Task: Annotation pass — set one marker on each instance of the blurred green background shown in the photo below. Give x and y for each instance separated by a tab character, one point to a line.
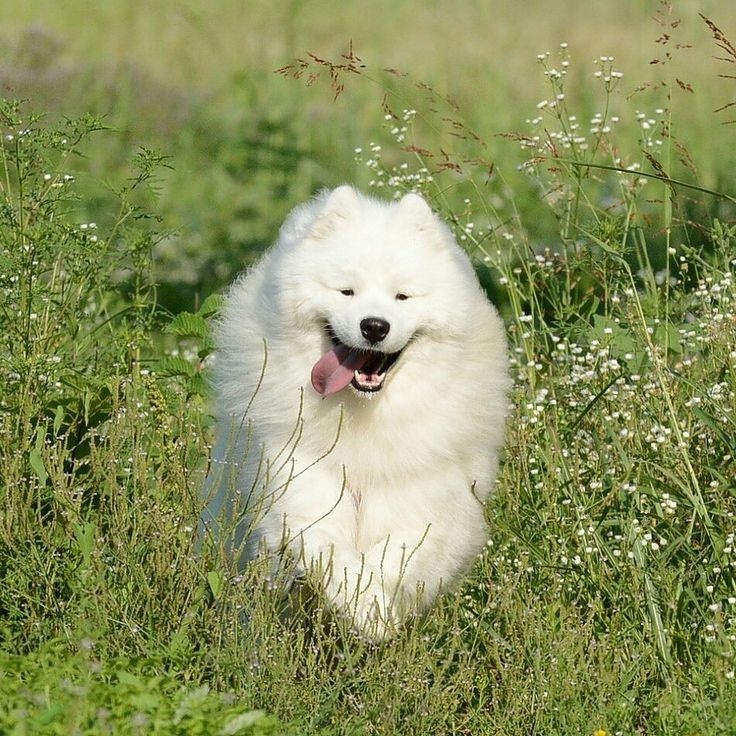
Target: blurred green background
196	80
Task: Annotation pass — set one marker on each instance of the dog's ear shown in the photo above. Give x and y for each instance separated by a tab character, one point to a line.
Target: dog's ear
342	200
339	204
416	212
416	207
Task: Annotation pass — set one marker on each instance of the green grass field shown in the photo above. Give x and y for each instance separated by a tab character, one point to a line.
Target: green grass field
596	196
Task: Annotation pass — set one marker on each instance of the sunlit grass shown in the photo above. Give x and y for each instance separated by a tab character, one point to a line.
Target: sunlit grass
198	81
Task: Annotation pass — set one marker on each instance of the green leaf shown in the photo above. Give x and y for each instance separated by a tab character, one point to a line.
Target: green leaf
58	419
146	701
668	335
198	385
211	305
175	365
130	679
726	438
85	536
187	324
37	465
214	580
610	333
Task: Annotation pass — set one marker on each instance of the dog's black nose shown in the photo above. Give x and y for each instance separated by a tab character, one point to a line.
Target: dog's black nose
374	329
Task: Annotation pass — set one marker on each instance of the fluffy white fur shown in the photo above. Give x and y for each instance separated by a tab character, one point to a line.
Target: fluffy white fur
379	495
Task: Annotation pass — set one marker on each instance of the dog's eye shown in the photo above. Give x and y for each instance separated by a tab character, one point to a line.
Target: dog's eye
347	292
401	297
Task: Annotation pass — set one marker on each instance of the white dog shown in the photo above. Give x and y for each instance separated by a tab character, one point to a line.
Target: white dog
361	388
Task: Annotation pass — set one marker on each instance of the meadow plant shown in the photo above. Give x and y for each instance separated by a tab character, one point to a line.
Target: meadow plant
629	474
617	497
99	446
77	394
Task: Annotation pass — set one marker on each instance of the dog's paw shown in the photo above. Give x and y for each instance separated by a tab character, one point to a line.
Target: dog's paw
373	619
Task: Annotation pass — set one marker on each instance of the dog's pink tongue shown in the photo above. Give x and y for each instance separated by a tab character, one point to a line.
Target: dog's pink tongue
335	369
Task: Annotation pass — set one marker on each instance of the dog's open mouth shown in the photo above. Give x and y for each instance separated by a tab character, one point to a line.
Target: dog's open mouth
364	370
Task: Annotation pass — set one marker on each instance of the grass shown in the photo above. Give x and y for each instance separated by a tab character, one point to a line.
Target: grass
90	695
605	601
246	145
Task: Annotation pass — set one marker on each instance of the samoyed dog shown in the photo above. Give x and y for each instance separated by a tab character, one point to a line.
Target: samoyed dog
361	381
